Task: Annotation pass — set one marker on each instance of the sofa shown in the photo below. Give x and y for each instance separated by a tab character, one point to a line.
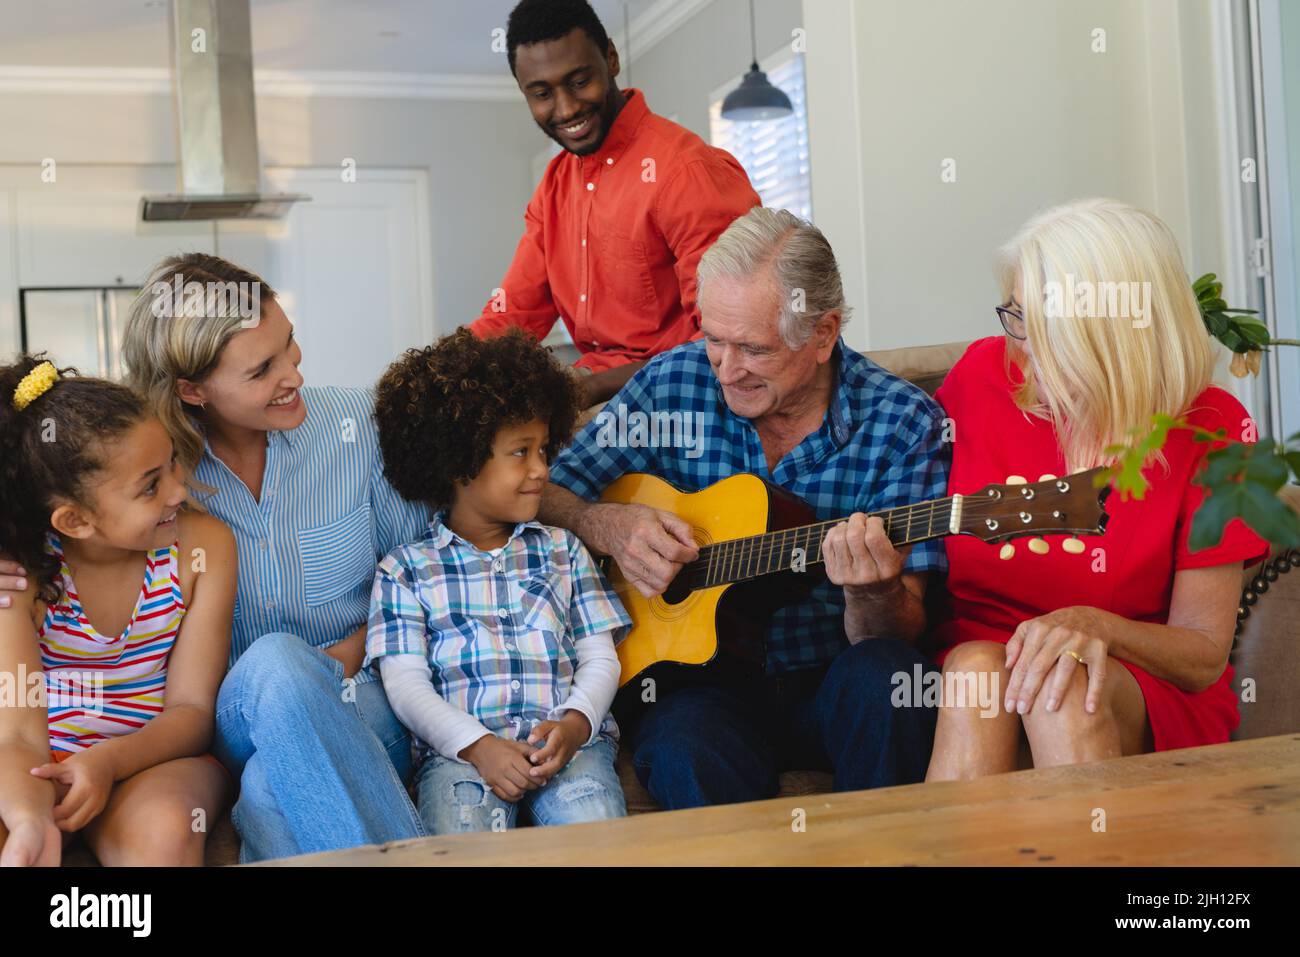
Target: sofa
1266	651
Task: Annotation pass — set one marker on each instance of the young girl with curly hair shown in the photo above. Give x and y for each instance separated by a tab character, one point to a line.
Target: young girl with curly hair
123	637
493	634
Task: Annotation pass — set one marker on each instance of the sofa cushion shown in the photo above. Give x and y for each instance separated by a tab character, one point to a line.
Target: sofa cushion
923	366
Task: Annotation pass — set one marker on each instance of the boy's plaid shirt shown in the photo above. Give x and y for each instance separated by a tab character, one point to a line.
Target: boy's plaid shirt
880	445
500	630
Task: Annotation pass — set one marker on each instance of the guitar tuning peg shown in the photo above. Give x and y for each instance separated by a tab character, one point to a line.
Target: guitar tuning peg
1006	551
1074	545
1016	480
1039	546
1046	477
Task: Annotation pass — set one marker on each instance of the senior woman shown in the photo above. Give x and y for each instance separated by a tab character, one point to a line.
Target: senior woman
1114	644
296	473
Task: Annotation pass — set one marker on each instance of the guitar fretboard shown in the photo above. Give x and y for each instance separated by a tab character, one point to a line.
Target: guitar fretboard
740	559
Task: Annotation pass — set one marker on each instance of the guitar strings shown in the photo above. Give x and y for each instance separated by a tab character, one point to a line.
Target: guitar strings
750	556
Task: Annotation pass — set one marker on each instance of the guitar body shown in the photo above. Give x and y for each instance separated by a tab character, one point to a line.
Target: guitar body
691	628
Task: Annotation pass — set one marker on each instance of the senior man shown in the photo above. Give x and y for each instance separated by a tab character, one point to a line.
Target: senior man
780	396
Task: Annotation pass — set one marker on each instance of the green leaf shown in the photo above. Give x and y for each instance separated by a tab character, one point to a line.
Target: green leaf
1130	459
1232	341
1265	513
1242	481
1217	323
1203	283
1293	460
1238	461
1255	332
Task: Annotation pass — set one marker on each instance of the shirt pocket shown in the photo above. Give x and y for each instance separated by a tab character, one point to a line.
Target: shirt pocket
625	275
544	599
337	557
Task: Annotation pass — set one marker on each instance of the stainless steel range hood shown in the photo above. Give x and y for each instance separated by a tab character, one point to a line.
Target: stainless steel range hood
216	120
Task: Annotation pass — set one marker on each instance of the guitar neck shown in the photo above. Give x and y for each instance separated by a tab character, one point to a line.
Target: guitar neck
740	559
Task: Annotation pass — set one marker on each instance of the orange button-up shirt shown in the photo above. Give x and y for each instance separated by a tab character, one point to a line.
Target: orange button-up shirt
612	240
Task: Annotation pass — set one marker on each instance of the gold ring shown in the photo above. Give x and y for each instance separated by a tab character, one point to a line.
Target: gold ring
1075	655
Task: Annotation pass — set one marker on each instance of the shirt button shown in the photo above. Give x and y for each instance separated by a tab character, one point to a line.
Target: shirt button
270	604
263	545
609	162
584	242
590	187
515	685
499	565
582	298
502	613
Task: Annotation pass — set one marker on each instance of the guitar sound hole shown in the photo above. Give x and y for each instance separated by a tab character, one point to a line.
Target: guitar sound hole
677	592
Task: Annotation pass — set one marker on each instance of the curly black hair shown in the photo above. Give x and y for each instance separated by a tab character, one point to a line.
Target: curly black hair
49	453
439	408
536	21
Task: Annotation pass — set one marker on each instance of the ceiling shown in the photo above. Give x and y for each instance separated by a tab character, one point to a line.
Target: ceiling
403	36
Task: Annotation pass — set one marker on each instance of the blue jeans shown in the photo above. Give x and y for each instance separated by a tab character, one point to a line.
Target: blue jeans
727	742
453	797
319	769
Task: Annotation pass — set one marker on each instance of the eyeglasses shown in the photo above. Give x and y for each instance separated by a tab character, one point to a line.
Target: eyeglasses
1012	321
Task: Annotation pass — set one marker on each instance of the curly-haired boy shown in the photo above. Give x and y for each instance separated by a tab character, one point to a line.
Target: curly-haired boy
493	634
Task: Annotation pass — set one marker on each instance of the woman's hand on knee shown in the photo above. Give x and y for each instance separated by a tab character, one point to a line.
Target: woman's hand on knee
1044	652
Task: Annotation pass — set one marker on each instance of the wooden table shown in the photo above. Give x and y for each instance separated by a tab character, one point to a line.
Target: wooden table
1227	804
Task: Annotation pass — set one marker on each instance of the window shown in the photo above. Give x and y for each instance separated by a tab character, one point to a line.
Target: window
774	153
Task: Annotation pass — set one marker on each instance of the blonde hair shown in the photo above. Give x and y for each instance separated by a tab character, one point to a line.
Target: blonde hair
167	339
1106	372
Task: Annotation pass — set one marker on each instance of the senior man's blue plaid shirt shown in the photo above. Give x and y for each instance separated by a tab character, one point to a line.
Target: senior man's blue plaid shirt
879	446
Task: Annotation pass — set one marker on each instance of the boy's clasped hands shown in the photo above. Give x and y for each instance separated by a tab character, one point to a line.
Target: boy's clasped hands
510	768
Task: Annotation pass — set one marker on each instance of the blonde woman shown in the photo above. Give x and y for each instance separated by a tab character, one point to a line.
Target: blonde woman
296	474
1121	646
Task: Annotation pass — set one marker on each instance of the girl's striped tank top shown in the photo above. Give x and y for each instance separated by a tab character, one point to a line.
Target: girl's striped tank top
98	687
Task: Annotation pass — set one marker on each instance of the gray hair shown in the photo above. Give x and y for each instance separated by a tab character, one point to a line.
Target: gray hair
801	261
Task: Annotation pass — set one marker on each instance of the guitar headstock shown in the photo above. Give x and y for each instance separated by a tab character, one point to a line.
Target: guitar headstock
1072	504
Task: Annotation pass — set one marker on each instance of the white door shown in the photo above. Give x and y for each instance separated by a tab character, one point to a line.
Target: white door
353	267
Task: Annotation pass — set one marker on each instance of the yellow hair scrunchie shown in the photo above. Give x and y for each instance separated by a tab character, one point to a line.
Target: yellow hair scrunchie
35	384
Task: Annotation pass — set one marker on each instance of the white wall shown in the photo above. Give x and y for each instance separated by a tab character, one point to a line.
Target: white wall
678	73
476	154
1010	89
1013	92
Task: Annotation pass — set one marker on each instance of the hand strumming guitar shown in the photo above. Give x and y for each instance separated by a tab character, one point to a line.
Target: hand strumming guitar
649	544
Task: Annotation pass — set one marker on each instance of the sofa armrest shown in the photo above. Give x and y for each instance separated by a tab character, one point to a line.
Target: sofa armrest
1266	653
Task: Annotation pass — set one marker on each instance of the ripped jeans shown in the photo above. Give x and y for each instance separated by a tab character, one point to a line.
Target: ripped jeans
453	799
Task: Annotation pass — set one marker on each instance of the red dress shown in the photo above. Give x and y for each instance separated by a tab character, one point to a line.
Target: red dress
1133	573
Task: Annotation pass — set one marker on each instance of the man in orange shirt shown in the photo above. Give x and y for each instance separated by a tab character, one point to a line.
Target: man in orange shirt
619	221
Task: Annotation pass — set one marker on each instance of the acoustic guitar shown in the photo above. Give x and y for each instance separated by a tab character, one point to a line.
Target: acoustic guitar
760	549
